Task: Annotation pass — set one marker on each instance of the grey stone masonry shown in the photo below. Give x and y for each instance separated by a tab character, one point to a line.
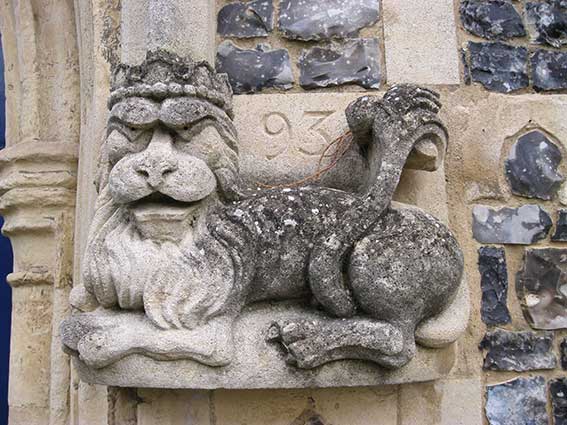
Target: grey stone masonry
549	70
246	19
494	284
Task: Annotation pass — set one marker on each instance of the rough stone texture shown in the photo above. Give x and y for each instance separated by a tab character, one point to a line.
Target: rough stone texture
493	20
251	70
262	364
560	234
547	23
355	61
499	67
531	166
524	225
187	255
494	283
563	352
541	288
302	20
246	19
558	393
436	61
518	351
549	70
521	401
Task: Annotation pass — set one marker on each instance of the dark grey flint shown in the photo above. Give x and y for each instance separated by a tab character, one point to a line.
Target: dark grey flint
531	166
355	61
251	70
523	226
518	351
522	401
547	23
499	67
549	70
494	285
246	19
323	20
493	20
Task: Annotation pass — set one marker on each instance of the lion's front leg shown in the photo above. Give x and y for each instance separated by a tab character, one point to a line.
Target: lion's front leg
104	337
312	343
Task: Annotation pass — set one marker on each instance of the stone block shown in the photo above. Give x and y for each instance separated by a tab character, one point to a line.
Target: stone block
560	234
558	393
420	42
547	22
246	19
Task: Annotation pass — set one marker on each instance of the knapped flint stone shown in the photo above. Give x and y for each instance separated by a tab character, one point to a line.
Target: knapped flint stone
518	351
252	70
323	20
549	70
493	20
246	19
519	226
560	234
558	392
541	285
499	67
518	402
547	23
531	167
494	284
355	61
563	352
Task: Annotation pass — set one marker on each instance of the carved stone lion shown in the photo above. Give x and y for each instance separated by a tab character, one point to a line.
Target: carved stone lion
175	235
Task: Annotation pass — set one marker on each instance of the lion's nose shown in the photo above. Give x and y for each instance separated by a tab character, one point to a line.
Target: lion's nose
156	171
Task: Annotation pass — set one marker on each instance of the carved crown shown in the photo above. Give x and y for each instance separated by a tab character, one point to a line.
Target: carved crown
164	74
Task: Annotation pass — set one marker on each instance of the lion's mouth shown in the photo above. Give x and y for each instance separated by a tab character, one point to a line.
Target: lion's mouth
158	210
162	200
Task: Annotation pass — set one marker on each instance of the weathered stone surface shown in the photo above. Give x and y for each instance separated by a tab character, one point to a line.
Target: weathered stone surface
518	351
547	22
246	19
549	70
499	67
563	352
251	70
433	29
558	393
494	284
524	225
560	234
259	363
178	249
305	20
542	289
356	61
497	19
531	167
519	402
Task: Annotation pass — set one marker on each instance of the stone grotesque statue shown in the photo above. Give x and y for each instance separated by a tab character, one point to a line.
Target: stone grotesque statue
178	250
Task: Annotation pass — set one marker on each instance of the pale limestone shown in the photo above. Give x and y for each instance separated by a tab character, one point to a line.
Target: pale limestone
352	406
420	40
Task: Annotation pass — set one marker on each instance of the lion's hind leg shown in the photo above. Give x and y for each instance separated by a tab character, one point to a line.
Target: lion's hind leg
312	343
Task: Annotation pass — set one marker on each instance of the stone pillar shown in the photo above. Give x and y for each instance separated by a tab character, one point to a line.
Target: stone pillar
37	198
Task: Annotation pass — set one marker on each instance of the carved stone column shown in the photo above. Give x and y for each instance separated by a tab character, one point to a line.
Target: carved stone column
37	198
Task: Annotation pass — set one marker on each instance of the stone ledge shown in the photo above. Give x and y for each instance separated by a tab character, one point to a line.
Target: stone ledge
259	364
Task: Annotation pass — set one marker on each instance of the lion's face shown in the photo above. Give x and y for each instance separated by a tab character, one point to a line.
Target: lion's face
162	155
